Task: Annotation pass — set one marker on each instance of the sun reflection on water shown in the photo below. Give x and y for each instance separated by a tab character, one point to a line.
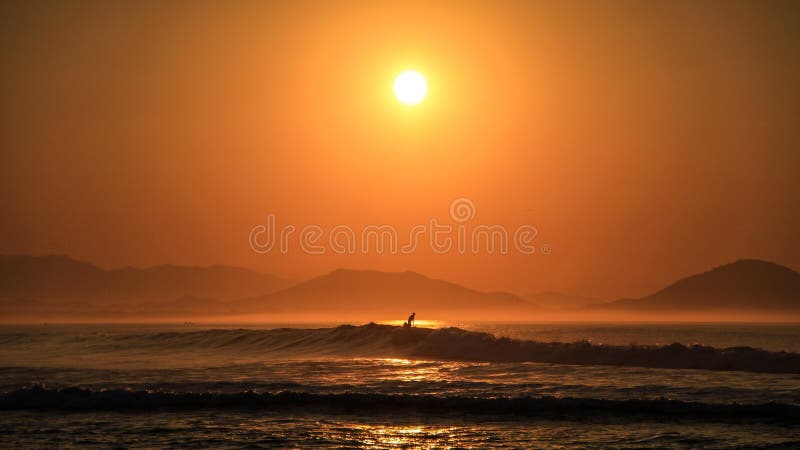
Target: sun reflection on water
400	369
390	436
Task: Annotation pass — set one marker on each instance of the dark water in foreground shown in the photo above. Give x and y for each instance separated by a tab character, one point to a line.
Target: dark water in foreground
377	386
265	429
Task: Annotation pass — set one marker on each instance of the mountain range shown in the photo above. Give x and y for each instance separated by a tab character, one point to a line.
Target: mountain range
58	285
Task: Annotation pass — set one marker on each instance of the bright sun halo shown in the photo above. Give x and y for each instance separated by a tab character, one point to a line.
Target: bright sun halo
410	87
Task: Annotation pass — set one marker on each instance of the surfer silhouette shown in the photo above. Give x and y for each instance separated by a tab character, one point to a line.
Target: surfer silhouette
411	319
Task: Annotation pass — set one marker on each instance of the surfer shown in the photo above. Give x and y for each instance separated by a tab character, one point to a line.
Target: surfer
411	319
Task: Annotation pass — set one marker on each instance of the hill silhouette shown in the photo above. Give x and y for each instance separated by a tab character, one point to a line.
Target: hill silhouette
748	284
357	293
58	283
37	286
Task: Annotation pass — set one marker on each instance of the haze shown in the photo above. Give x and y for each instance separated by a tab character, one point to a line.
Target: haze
645	142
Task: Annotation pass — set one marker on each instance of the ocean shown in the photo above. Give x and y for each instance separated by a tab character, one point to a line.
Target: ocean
455	385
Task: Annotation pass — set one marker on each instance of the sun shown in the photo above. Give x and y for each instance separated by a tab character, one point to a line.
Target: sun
410	87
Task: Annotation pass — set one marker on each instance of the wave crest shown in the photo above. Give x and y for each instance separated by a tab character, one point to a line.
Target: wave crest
385	341
77	399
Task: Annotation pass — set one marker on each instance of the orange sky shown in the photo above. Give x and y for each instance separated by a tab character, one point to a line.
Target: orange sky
643	141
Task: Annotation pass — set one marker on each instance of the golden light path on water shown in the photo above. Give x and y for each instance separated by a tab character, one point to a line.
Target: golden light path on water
409	370
382	436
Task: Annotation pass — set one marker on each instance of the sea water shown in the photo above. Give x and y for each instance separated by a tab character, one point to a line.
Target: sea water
314	385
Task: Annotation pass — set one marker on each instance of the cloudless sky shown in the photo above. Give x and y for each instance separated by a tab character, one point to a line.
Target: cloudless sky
644	140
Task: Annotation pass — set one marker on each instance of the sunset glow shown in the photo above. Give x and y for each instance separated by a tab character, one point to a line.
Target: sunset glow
479	224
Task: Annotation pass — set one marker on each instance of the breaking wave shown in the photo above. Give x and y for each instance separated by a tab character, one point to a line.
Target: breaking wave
80	399
385	341
457	344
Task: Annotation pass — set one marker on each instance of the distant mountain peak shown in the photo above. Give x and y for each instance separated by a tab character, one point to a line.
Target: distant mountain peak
746	284
749	264
375	292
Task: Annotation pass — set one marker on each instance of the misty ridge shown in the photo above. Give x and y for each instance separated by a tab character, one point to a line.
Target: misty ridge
58	286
